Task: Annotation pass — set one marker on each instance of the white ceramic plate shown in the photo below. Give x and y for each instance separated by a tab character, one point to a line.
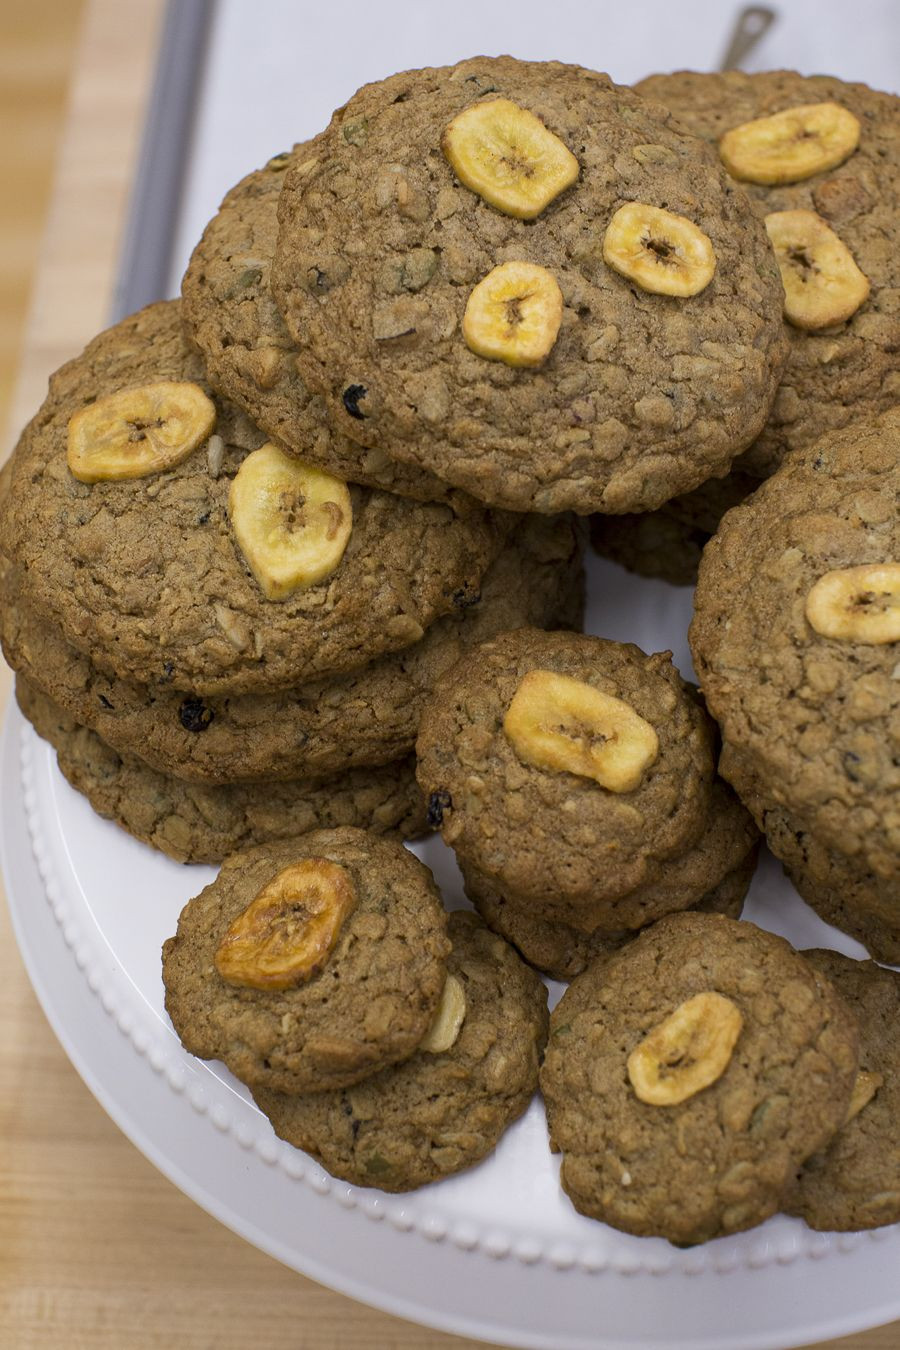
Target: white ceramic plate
497	1252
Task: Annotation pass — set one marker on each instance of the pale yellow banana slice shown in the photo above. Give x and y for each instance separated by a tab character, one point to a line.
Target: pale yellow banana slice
567	726
291	521
507	155
822	283
139	431
857	604
513	314
448	1020
662	252
687	1052
791	145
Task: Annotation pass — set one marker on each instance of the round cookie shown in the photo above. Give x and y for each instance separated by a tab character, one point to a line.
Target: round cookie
714	876
548	834
368	1004
436	1114
190	822
668	543
369	716
643	396
718	1159
145	574
848	370
814	714
250	356
855	1182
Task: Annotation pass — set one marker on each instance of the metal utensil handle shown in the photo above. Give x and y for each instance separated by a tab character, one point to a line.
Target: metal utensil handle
750	26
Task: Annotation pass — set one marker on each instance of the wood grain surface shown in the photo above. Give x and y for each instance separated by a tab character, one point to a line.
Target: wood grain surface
98	1251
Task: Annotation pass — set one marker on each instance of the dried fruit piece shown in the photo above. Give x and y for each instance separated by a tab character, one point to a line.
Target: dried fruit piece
864	1089
513	314
822	283
687	1052
292	521
662	252
857	604
139	431
507	155
286	934
448	1019
790	145
558	723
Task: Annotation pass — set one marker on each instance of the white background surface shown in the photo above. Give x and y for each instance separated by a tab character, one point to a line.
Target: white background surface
277	69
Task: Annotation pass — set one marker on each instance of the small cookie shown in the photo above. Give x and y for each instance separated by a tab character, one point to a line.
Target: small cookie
689	1075
365	717
714	876
191	822
360	1005
579	388
520	801
668	543
442	1110
848	369
150	576
796	634
249	354
855	1182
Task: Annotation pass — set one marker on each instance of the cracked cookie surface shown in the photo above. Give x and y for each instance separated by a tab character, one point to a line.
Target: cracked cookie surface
643	396
369	1006
850	369
436	1114
719	1161
146	577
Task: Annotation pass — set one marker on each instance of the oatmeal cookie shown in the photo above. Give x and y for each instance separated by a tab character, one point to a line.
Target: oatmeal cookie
638	396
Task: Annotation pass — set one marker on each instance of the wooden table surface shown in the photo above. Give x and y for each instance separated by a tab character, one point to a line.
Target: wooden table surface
98	1251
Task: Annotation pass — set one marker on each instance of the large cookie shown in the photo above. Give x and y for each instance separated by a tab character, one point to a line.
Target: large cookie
813	709
855	1182
762	1081
439	1112
250	356
643	396
145	575
548	834
849	369
369	716
368	1002
193	822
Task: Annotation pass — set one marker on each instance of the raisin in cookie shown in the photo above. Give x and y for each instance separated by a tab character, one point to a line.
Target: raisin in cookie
445	1108
310	963
479	324
689	1075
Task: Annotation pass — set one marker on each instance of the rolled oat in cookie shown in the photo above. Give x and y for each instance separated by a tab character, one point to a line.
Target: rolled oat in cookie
250	980
447	1106
690	1074
468	298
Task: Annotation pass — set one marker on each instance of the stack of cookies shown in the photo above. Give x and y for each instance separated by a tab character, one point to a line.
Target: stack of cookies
393	1043
575	779
224	643
820	160
795	633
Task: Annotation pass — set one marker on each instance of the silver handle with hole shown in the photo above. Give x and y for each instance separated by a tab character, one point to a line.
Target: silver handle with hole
750	26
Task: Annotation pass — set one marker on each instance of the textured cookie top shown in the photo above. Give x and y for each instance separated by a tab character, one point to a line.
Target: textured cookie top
855	1182
146	576
642	396
195	823
367	716
437	1113
544	832
817	715
849	369
370	1004
718	1160
249	353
